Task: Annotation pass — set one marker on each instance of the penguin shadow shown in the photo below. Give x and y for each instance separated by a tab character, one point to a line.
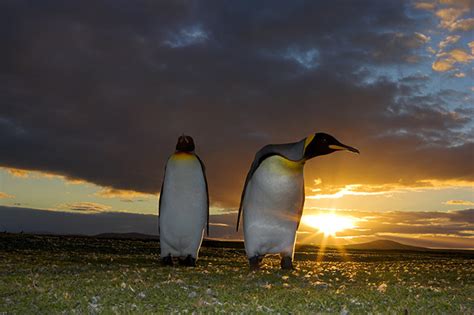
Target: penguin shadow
272	262
169	261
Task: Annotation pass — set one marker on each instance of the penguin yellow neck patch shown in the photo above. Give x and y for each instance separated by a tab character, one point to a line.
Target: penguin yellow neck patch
182	156
279	164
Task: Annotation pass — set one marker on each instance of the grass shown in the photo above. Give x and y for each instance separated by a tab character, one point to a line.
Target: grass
50	275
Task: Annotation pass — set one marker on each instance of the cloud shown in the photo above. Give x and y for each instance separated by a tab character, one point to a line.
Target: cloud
465	4
348	190
459	203
120	86
125	195
414	224
447	60
5	195
23	173
471	45
449	40
462	25
449	17
186	36
429	6
320	190
84	207
460	75
17	172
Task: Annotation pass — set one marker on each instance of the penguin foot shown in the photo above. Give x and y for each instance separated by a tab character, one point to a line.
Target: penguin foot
167	260
189	261
254	262
286	263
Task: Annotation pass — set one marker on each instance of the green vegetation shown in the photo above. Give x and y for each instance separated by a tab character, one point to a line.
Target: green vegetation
48	275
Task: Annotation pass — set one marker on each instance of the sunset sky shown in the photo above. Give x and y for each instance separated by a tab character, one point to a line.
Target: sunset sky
94	95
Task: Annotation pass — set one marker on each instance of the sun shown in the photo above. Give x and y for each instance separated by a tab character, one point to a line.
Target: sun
330	223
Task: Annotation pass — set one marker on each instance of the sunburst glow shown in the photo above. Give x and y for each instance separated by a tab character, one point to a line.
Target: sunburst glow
330	223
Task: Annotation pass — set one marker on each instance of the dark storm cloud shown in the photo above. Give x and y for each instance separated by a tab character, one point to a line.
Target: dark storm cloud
101	90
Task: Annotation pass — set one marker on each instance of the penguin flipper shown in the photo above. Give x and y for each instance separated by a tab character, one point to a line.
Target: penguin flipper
254	166
259	158
207	192
159	199
300	210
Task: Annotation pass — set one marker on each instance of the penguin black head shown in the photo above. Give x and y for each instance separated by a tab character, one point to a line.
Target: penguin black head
185	144
322	144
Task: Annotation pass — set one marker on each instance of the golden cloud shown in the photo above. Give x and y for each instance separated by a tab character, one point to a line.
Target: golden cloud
459	203
429	6
21	173
442	65
422	38
84	207
5	195
461	55
449	40
447	60
462	25
465	4
346	191
471	45
460	75
424	226
109	192
17	172
431	50
335	191
448	16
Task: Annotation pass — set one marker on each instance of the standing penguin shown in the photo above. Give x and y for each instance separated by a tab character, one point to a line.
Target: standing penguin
273	196
183	205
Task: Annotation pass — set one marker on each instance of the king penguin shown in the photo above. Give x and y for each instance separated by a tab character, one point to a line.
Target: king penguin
183	205
273	196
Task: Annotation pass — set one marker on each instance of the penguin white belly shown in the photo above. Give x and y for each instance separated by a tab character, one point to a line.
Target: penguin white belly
272	202
183	209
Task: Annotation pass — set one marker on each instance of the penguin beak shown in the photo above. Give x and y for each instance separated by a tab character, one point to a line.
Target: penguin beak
340	147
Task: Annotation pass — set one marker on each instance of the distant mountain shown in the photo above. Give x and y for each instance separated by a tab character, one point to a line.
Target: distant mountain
210	242
384	245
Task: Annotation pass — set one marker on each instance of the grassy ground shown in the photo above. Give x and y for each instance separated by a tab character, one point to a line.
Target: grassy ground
41	274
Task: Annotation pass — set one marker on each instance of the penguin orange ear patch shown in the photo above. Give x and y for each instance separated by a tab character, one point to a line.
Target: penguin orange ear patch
336	147
308	140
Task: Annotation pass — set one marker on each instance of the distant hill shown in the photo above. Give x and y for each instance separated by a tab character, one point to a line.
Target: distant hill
210	242
128	236
384	245
207	242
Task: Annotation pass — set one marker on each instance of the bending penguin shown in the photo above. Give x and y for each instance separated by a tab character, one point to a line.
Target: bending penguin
183	205
273	196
